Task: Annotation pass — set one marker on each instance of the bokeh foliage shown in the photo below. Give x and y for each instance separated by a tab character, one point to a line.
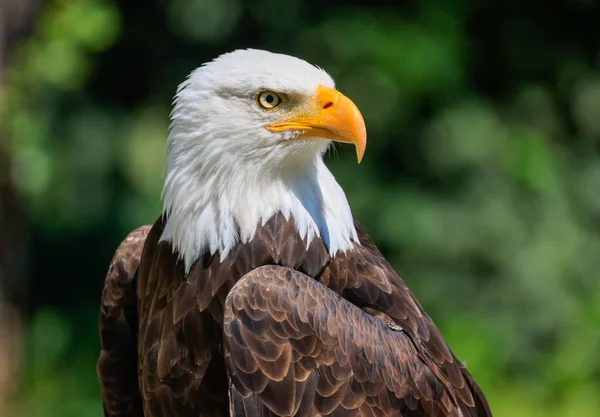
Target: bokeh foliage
480	183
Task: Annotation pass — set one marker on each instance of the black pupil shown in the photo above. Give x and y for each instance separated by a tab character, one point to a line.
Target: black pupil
270	99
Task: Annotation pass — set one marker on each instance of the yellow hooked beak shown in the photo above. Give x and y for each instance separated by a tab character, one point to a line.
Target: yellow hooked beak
332	116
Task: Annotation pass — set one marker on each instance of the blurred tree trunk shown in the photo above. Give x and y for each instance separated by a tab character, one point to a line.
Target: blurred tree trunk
11	253
16	18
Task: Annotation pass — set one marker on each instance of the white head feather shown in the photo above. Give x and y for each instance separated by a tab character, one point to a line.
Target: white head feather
226	173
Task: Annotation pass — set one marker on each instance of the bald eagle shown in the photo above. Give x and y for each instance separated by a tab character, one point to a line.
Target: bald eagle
256	292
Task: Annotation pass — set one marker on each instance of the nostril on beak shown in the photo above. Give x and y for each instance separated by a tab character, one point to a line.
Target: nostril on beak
328	105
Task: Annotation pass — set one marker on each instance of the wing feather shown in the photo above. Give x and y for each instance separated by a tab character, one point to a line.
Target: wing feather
117	364
362	383
363	276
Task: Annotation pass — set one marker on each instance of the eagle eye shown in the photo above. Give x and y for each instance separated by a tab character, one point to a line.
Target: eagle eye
268	100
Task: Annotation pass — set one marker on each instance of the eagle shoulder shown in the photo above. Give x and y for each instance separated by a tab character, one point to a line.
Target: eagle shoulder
295	347
117	364
364	277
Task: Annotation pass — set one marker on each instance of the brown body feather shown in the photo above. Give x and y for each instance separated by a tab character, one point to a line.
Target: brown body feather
117	366
286	329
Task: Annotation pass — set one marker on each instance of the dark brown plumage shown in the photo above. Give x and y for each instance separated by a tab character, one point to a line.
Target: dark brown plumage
117	365
296	332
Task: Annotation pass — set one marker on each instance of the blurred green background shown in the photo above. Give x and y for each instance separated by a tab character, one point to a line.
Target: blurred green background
481	181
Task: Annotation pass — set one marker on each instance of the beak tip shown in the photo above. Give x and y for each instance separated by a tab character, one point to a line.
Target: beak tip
360	152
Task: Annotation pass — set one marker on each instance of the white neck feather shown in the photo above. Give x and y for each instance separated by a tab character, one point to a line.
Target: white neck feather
211	208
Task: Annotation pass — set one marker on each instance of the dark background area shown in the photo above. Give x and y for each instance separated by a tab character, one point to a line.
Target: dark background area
481	180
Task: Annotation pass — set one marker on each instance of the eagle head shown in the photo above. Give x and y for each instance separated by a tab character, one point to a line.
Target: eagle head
246	141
